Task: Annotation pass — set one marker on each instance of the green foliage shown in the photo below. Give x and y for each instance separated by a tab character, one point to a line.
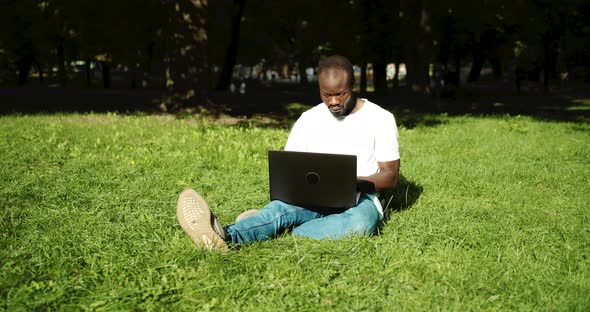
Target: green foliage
177	43
491	215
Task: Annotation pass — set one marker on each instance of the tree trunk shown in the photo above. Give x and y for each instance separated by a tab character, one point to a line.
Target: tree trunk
232	50
457	77
364	44
24	62
106	74
549	62
363	82
133	76
41	75
478	61
496	64
396	75
380	78
61	63
88	72
480	53
548	69
150	57
24	67
39	70
300	51
417	65
418	46
302	74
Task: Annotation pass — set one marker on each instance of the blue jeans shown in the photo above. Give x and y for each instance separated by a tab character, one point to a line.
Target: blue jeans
278	216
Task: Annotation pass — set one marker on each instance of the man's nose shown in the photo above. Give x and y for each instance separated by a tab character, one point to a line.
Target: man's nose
333	100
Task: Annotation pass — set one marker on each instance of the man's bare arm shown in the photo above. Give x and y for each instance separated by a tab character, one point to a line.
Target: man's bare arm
385	179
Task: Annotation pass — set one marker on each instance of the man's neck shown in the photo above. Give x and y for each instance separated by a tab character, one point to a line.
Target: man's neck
359	104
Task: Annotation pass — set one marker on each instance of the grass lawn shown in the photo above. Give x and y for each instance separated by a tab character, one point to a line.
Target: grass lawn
492	214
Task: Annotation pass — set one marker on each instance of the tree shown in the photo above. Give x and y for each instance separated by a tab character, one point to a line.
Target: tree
231	53
416	28
23	31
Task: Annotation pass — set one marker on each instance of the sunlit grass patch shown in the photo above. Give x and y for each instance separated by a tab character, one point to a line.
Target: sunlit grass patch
491	214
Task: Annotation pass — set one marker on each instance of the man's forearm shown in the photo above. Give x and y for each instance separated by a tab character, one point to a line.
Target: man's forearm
384	180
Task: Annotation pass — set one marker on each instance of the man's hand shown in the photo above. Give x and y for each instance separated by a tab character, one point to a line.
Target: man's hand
365	186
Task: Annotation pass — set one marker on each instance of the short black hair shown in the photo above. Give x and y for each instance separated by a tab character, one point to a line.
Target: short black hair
337	62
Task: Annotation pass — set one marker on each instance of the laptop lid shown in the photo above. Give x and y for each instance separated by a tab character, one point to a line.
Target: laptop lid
312	180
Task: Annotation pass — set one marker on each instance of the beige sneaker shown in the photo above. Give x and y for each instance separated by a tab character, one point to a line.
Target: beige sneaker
197	220
246	214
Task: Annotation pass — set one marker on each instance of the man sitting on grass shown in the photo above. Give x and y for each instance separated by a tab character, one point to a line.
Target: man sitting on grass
342	124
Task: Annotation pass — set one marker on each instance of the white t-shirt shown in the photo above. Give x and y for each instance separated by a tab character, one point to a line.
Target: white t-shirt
370	133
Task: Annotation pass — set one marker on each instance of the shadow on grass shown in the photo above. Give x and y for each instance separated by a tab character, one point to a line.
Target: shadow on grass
402	198
412	111
274	107
39	100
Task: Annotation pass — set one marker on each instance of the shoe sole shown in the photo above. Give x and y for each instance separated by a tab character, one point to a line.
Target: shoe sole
195	218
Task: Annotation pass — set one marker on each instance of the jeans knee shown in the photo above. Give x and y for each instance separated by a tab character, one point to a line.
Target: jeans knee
276	209
365	223
277	205
363	227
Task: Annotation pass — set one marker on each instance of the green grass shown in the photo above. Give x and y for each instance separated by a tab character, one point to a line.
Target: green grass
492	215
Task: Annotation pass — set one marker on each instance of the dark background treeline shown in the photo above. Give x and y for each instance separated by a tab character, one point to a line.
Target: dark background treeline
190	48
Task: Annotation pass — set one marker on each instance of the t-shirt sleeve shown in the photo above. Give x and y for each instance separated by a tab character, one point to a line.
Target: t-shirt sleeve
386	142
296	141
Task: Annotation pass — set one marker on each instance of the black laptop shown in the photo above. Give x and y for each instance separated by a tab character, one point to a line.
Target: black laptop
312	180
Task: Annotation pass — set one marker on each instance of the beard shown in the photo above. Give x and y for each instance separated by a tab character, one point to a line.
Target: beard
344	109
